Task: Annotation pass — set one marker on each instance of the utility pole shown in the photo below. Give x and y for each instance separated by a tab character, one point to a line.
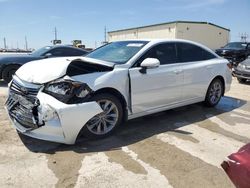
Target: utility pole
243	37
56	41
26	43
55	33
105	34
4	43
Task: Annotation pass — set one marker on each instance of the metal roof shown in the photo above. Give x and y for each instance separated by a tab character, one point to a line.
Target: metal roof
174	22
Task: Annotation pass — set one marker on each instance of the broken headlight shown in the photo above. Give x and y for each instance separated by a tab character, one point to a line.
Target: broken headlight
68	91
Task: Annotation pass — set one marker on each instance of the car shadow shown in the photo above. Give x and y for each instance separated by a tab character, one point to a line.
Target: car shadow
3	84
246	83
139	129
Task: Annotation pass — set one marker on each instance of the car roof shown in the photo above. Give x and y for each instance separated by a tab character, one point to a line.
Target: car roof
162	40
65	46
154	40
157	41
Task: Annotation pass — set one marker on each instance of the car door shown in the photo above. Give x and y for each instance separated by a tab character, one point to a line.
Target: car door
159	86
197	67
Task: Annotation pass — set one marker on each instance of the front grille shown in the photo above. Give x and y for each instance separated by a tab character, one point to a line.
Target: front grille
19	89
21	103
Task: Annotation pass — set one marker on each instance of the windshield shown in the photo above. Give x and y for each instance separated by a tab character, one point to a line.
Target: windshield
236	45
118	52
41	51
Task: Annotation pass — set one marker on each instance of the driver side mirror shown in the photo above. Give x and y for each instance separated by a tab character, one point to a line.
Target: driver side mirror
47	55
149	63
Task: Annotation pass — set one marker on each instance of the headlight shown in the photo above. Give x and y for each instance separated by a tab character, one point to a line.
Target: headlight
241	66
68	91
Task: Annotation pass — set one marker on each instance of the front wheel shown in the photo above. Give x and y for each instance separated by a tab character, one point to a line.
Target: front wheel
214	93
106	122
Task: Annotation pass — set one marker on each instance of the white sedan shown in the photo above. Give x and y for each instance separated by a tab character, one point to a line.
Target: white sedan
59	99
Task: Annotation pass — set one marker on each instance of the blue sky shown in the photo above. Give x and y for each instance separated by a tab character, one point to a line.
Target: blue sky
85	20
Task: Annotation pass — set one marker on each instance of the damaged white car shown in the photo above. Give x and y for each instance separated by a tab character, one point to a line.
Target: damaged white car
57	99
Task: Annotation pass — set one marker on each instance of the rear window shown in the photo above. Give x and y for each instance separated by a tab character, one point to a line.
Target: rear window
189	52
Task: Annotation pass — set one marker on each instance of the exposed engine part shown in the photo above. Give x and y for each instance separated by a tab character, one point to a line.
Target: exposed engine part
79	67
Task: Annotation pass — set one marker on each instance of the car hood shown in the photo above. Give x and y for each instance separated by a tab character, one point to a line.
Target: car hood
246	62
17	58
229	49
46	70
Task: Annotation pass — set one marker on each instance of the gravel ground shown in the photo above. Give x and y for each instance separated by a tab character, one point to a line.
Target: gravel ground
177	148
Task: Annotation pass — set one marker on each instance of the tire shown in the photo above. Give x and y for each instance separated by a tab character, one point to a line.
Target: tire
241	80
95	127
214	93
8	72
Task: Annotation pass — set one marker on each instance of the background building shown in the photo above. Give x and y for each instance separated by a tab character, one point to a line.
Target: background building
211	35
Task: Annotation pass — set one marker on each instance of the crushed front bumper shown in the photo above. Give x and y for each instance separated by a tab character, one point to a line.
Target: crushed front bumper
48	118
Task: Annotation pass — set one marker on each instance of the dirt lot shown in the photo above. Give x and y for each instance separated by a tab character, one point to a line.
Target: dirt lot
177	148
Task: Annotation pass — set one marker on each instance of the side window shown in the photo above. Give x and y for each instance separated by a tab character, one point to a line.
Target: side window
189	53
165	53
76	52
57	52
207	55
73	52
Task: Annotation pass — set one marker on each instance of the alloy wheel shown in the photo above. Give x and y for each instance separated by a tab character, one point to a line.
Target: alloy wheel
104	122
215	92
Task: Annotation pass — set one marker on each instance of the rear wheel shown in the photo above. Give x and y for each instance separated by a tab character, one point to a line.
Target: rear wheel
214	93
241	80
8	72
106	122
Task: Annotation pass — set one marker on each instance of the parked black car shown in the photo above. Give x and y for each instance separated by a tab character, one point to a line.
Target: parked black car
235	52
242	71
10	63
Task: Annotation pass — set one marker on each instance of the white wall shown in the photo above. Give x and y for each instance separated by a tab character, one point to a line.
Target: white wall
211	36
154	32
